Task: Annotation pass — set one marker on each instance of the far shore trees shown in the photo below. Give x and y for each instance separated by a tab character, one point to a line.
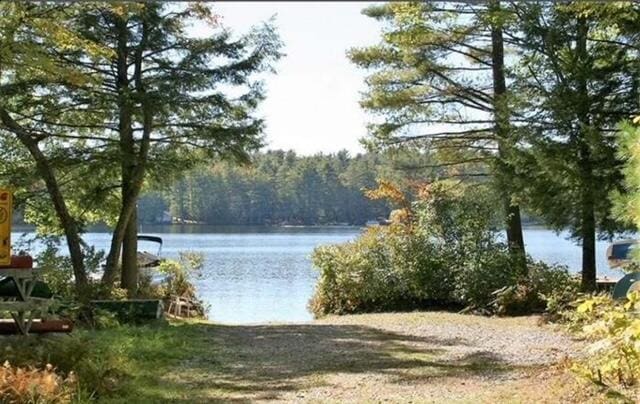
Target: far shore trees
279	187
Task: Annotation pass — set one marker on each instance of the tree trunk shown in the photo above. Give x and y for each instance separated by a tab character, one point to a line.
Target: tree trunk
129	274
588	235
117	239
587	203
68	223
129	266
501	115
133	162
125	131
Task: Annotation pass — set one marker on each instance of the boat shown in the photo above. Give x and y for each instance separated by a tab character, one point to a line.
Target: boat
620	253
147	259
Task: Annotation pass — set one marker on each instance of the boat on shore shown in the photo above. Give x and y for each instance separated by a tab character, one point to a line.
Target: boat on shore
148	258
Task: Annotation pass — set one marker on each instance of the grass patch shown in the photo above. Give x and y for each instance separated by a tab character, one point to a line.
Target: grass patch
117	364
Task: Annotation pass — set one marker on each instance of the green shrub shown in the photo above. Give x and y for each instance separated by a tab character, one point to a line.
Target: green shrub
479	276
613	330
100	367
180	275
544	288
449	255
57	272
353	276
462	221
386	268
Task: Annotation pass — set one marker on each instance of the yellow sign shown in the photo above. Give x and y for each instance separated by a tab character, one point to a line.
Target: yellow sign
6	203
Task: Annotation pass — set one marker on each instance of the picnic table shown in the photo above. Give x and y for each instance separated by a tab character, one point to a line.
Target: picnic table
21	304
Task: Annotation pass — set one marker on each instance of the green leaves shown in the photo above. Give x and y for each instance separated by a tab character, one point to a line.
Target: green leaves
613	332
628	202
61	78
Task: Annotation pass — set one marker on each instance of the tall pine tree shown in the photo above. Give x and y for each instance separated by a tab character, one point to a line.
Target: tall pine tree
579	79
439	80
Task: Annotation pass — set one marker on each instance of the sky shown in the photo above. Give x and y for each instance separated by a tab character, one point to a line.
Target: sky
312	101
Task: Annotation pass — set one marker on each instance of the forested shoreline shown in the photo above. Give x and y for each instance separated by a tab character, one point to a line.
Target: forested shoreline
276	188
280	187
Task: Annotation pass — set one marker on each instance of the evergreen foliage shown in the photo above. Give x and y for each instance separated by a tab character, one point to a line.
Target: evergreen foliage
277	188
577	79
127	93
439	81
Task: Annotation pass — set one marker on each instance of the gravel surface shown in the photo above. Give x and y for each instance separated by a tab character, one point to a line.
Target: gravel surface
511	341
394	357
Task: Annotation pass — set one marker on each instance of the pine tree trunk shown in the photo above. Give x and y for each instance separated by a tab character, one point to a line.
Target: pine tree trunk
513	223
134	161
125	112
588	235
117	239
587	203
129	266
515	238
129	274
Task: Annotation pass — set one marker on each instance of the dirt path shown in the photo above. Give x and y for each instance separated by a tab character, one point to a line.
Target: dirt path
410	357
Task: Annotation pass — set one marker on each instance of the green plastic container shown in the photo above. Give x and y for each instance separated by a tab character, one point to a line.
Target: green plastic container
628	283
40	289
132	310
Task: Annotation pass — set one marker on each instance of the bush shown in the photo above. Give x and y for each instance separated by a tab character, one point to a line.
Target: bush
57	272
32	385
449	254
544	288
384	269
100	367
178	281
613	330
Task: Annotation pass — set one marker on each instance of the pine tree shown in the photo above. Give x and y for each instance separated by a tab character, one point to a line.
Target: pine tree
579	79
152	103
440	82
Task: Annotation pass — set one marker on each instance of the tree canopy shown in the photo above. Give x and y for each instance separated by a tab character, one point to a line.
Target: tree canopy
131	93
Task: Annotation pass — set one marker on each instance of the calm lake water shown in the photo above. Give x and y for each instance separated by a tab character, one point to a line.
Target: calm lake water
258	274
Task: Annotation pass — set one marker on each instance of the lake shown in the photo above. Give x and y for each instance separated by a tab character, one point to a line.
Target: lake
262	274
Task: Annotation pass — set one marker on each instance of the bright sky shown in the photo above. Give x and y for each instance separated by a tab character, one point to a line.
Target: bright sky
312	103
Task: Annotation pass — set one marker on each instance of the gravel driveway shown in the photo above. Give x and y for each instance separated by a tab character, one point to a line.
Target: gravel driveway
519	341
394	357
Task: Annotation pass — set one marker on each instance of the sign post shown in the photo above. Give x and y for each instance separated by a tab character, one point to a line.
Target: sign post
6	203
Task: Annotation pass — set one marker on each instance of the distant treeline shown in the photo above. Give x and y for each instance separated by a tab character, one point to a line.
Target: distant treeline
279	187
